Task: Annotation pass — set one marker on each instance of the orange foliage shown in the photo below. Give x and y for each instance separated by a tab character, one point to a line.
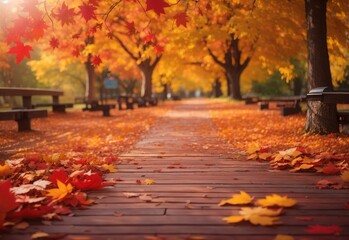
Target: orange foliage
240	125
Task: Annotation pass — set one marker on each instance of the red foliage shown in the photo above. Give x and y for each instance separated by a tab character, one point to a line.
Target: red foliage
87	11
21	51
181	19
157	6
65	15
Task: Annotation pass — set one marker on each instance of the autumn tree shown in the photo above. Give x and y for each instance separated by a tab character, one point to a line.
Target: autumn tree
321	117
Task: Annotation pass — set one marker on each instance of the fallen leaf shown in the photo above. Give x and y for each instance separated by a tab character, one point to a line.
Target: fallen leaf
149	181
5	170
61	191
276	200
131	195
237	199
21	225
330	169
145	198
39	235
283	237
345	176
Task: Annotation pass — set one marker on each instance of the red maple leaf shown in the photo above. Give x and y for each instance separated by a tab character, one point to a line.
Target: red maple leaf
93	2
320	229
158	49
30	212
181	19
38	29
76	52
21	51
88	181
19	30
130	27
150	38
330	169
157	6
96	60
30	6
54	43
59	174
65	15
87	11
8	201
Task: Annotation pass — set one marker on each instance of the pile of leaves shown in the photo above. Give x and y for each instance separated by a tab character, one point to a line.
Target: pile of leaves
267	136
46	186
50	171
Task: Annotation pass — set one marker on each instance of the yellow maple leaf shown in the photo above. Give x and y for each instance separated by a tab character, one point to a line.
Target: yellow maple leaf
247	211
149	181
263	220
303	166
110	168
234	219
238	199
283	237
264	156
276	200
61	191
5	170
253	148
345	176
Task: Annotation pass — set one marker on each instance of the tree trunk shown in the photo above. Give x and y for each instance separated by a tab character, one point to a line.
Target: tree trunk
90	77
234	79
147	72
297	86
217	88
321	117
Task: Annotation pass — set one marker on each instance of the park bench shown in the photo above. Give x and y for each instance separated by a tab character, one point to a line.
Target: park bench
125	102
28	93
24	113
146	101
288	105
22	117
56	107
250	100
324	94
94	106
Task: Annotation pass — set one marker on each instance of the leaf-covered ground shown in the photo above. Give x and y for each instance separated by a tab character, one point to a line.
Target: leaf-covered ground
268	136
46	172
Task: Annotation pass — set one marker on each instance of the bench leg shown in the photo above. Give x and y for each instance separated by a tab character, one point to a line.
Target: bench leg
263	106
106	112
129	105
59	109
23	124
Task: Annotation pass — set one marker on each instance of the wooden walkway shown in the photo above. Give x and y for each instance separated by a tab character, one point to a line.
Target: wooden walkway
192	174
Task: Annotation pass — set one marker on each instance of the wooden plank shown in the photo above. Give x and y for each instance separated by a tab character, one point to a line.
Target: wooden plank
8	91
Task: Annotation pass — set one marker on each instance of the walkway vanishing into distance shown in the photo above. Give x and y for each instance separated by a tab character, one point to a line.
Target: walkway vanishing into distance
193	172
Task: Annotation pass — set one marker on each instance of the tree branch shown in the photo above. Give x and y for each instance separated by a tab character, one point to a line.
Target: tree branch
123	46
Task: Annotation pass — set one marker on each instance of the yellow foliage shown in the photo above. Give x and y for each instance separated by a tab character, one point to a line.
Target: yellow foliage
61	191
237	199
276	200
